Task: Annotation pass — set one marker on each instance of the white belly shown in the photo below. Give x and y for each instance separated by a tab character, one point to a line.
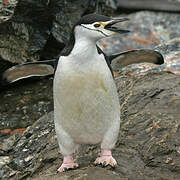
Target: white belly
86	101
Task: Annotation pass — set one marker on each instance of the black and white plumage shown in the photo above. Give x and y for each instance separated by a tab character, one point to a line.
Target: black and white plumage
48	67
86	103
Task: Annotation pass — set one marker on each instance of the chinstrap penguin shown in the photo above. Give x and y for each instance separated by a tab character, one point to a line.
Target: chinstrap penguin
86	103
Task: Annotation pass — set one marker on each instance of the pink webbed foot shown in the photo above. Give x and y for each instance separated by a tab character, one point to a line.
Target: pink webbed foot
105	159
68	163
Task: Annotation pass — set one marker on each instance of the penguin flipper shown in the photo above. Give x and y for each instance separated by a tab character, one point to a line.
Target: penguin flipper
32	69
136	56
106	58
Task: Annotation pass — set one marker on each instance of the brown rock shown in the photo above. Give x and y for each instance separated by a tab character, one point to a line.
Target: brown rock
148	145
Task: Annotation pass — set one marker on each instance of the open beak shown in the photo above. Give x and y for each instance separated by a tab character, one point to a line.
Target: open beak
110	26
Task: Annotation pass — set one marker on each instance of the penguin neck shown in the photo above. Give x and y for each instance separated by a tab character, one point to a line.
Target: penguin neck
81	45
84	47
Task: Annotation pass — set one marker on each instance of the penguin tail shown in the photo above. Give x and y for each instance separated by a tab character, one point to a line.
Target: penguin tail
27	70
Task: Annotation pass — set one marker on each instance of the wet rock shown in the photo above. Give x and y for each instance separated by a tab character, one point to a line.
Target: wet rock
148	143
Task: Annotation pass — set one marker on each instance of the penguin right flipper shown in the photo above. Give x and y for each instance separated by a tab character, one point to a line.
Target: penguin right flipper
136	56
32	69
108	60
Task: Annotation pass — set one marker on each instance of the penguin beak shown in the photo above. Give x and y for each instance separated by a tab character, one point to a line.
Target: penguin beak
116	29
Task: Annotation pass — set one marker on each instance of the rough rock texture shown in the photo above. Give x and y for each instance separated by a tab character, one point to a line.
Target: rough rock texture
148	145
38	29
171	54
148	29
163	5
23	104
6	9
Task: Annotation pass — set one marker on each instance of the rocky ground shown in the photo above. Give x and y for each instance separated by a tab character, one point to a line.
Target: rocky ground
7	9
148	146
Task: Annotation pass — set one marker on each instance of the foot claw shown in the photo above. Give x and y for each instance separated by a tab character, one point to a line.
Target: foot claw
65	167
105	161
103	164
68	163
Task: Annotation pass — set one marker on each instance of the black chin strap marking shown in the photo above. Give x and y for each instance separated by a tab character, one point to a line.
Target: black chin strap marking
94	30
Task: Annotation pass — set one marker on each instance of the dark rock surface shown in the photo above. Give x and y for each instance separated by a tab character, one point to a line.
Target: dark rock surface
6	9
148	145
162	5
39	29
22	103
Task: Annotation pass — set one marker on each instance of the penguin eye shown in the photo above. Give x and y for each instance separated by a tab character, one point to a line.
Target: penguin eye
97	25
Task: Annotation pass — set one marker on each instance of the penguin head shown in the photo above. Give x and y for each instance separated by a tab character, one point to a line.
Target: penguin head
95	27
